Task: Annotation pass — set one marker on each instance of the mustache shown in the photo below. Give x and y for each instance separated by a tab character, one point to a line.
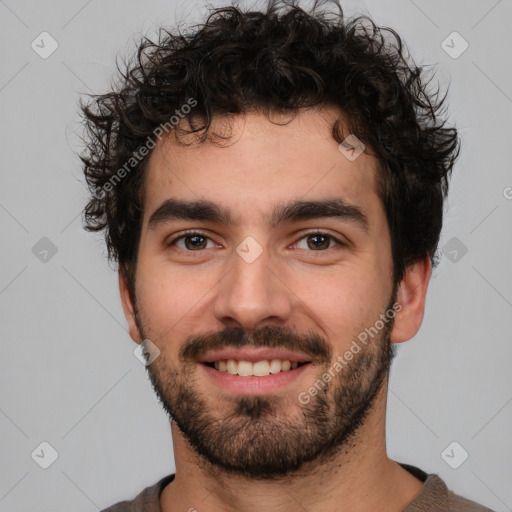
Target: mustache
311	343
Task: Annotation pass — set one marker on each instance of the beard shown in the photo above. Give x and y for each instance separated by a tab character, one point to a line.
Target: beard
255	438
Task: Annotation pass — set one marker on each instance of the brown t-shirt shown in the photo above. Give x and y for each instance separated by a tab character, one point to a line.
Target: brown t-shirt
434	497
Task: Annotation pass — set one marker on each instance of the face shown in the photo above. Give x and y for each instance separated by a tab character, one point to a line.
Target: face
275	244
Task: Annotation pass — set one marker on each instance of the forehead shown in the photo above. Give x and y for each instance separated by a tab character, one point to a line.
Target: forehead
263	163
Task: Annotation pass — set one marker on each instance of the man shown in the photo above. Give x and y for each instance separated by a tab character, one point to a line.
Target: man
271	185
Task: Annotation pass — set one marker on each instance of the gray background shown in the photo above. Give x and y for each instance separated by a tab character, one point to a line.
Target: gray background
68	373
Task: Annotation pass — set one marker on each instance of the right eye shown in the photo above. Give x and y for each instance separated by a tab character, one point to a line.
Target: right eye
193	241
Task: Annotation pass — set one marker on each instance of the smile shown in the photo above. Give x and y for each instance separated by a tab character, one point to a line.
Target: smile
261	368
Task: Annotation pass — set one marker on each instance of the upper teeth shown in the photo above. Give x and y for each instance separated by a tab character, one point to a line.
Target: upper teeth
258	369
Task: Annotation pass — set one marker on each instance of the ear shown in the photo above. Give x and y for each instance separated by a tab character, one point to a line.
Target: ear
411	296
128	307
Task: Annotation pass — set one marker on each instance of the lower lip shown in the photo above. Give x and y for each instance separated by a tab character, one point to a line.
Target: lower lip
251	386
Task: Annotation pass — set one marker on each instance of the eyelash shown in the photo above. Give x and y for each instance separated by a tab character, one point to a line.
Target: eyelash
189	233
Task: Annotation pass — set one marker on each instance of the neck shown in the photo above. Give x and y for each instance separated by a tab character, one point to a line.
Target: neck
360	478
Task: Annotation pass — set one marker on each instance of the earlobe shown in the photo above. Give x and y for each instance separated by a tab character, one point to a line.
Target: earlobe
128	307
411	296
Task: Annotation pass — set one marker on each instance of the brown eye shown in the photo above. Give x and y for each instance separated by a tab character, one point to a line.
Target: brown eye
192	242
318	242
195	242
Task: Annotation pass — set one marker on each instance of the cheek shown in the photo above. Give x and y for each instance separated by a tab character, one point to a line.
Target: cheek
344	302
164	298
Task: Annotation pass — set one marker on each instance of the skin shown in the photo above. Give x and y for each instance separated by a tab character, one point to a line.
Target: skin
336	293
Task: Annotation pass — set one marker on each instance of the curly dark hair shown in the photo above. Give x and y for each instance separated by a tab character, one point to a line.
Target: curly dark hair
282	60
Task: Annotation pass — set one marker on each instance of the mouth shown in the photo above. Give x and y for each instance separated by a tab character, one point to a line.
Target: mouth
262	368
255	378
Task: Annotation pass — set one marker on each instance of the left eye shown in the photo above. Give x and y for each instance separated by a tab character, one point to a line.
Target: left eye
317	241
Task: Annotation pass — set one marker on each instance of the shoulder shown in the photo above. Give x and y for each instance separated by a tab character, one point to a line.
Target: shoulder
436	497
147	500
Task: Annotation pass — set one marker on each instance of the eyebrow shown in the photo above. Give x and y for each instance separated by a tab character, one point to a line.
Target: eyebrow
203	210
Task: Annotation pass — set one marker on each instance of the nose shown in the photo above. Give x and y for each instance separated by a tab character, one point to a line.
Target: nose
252	295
